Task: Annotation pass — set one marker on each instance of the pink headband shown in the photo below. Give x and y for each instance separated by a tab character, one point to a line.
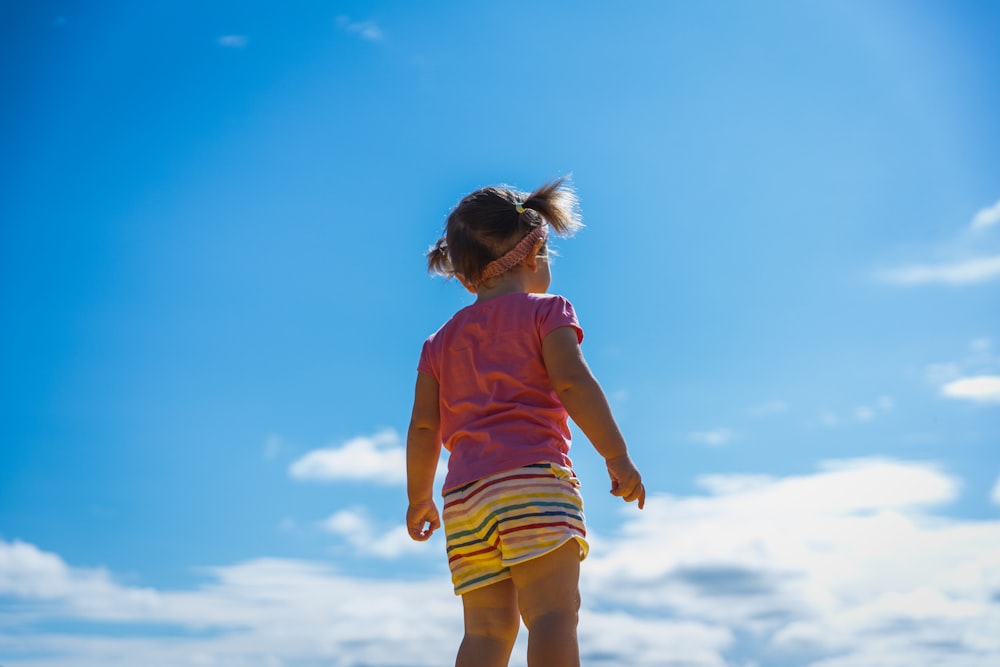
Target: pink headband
515	255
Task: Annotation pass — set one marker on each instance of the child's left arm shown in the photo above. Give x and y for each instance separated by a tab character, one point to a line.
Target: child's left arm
423	448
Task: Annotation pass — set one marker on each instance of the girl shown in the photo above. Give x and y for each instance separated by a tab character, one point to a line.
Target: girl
495	385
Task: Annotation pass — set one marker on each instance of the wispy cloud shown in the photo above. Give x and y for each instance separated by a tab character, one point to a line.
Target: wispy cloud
233	41
861	414
965	272
273	446
995	494
987	217
367	30
808	565
980	389
713	438
967	259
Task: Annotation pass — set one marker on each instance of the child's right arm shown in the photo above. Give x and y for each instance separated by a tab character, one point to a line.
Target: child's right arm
423	447
586	403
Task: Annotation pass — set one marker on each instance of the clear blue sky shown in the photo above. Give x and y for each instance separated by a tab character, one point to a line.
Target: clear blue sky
212	290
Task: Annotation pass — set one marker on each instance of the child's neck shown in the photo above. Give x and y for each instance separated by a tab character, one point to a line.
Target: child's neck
513	281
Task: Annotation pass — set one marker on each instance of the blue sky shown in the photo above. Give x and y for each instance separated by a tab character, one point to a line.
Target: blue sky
212	220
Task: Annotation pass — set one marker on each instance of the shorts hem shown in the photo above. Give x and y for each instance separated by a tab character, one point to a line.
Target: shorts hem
581	542
506	575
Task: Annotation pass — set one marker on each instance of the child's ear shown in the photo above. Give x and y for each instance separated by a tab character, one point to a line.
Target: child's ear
531	261
465	283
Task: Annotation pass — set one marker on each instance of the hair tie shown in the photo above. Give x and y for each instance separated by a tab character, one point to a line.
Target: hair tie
519	208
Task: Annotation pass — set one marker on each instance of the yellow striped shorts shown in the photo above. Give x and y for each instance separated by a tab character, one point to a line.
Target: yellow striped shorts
509	518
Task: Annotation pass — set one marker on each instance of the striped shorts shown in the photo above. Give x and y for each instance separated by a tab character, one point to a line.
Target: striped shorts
509	518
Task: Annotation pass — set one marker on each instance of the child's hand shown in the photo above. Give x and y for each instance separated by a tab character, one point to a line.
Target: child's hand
419	514
626	482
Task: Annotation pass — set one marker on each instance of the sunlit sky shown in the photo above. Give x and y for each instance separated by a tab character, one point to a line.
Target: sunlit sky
213	294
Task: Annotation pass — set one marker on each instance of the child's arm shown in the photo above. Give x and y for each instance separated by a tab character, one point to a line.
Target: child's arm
423	447
585	402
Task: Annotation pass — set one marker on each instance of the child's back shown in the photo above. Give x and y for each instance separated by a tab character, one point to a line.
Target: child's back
496	385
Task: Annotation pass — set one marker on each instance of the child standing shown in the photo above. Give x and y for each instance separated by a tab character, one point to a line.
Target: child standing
495	385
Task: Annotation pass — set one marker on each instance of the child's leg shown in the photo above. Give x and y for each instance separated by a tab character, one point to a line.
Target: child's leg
548	595
491	625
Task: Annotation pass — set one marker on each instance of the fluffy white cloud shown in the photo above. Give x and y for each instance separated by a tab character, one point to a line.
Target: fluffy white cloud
975	270
357	527
380	458
300	613
842	562
843	566
981	389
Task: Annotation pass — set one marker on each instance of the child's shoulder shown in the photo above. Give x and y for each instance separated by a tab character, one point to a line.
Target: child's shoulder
543	299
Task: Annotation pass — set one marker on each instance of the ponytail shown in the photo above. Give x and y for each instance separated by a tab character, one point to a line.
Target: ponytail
556	202
438	260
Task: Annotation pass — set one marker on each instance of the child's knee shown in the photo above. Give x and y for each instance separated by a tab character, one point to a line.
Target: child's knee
492	611
558	606
500	622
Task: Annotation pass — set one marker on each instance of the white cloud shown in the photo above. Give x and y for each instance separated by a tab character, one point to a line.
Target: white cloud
233	41
714	438
357	528
964	272
260	612
995	494
986	217
846	565
812	565
367	30
981	389
380	458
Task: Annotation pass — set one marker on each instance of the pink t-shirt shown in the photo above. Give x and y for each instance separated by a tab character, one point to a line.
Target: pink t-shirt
498	408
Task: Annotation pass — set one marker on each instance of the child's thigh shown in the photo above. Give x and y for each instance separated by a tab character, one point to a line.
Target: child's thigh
492	610
550	582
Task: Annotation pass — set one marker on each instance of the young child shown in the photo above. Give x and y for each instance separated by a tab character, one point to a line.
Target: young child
495	385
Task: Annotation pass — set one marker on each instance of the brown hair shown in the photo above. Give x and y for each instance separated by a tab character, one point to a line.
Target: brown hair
486	224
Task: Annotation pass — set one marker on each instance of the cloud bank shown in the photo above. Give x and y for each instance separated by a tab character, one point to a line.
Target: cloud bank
847	565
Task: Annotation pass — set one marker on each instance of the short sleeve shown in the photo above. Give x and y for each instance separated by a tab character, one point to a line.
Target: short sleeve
424	365
555	312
